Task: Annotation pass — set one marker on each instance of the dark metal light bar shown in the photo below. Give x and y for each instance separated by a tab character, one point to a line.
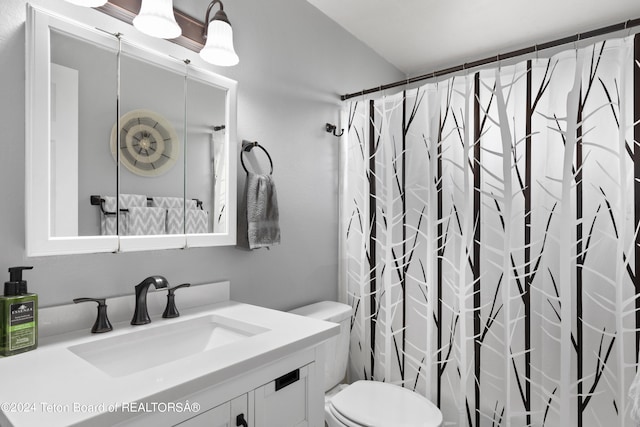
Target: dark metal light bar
192	29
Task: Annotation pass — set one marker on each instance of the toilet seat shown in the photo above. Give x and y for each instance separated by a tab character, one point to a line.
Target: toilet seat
340	418
378	404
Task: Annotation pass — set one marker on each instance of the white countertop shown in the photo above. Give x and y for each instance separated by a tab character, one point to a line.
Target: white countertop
49	386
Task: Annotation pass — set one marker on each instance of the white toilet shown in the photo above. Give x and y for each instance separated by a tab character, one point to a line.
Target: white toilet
363	403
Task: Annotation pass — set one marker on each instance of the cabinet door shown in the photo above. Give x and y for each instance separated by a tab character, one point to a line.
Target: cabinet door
225	415
283	402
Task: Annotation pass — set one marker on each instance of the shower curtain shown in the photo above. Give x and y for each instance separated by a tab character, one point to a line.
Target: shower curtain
489	239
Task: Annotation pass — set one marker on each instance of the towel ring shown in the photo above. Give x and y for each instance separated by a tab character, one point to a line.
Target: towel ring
248	146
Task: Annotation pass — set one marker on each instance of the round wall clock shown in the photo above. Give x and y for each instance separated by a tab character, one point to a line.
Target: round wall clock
149	145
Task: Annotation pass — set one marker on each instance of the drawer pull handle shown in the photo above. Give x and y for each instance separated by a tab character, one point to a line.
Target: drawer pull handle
287	379
240	421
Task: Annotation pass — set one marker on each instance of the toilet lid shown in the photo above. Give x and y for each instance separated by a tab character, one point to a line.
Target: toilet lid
378	404
342	419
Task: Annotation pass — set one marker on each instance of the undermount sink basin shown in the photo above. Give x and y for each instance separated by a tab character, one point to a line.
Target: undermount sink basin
136	351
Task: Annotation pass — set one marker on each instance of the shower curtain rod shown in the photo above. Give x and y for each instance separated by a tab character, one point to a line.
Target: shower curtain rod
531	49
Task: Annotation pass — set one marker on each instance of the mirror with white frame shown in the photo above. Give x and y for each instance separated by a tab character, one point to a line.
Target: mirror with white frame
170	163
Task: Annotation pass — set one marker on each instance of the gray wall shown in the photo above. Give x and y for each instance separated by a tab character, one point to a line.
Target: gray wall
293	63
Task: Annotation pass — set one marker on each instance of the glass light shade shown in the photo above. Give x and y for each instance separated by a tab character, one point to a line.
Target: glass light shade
88	3
156	19
219	47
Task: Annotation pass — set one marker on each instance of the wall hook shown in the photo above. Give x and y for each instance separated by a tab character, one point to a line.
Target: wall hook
332	129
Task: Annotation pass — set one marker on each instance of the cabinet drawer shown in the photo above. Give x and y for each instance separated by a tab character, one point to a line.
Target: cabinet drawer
224	415
284	401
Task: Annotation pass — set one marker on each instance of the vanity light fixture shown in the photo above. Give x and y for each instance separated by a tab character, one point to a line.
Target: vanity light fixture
218	35
88	3
156	19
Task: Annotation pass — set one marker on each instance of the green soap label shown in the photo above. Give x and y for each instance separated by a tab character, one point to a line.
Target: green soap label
22	326
23	336
21	312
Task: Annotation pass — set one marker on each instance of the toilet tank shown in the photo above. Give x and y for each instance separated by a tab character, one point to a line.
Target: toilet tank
336	349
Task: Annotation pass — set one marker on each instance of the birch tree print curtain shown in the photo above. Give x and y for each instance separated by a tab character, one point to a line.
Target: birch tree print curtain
489	239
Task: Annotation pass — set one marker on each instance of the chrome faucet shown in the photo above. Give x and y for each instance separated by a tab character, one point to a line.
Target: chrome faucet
141	315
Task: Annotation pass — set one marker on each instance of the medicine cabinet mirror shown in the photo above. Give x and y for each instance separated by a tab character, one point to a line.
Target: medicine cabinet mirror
127	148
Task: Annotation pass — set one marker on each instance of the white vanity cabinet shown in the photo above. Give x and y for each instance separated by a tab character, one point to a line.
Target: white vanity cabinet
269	396
283	402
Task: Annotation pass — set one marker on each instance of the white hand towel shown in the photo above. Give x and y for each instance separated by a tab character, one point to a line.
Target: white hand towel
263	228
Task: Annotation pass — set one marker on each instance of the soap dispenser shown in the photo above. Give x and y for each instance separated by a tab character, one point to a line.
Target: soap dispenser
18	315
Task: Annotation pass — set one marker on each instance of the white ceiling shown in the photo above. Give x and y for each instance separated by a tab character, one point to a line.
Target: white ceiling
419	36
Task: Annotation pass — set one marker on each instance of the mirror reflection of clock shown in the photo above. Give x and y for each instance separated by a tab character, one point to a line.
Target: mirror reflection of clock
149	145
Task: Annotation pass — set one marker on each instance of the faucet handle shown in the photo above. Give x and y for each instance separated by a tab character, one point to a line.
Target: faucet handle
171	310
102	323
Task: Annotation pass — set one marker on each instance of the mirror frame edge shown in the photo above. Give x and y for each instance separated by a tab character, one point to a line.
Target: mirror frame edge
38	241
231	105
